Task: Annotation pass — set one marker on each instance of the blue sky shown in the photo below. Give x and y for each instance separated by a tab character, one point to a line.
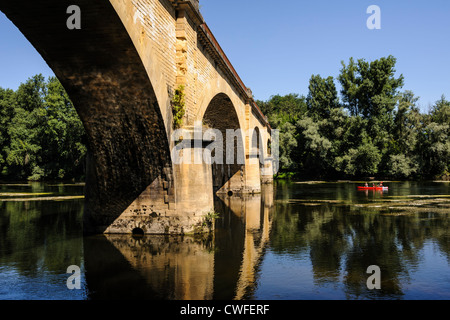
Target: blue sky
276	46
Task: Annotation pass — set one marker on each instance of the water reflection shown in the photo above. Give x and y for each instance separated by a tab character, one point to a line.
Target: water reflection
294	241
242	239
38	241
219	266
342	240
156	267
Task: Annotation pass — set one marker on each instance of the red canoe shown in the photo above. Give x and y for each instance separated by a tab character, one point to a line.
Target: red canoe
373	188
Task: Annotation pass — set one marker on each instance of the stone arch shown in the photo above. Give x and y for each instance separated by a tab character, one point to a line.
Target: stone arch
213	88
228	169
261	161
109	86
257	145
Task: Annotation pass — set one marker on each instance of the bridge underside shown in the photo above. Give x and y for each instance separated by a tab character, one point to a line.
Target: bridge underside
108	85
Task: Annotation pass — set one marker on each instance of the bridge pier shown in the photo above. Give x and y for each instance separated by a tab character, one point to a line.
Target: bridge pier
178	205
228	180
180	200
252	175
267	171
195	196
247	180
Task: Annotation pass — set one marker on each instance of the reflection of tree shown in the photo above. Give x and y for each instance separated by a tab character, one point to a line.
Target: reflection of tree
327	244
37	235
373	243
343	241
442	235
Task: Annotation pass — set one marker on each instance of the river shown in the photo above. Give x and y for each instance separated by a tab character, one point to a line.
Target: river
295	241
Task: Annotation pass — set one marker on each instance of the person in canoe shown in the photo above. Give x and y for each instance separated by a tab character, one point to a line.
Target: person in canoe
378	186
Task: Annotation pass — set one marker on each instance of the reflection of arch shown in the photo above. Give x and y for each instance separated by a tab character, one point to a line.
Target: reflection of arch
254	214
105	78
222	116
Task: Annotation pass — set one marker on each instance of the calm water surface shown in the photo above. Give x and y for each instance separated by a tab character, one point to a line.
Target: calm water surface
294	241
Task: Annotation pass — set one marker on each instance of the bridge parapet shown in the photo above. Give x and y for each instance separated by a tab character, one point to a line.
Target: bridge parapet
194	3
192	6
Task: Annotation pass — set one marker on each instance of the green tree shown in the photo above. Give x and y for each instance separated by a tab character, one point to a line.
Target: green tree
440	112
45	137
403	151
435	141
370	89
283	112
360	162
321	130
64	137
315	147
322	97
287	143
288	108
7	105
25	129
375	130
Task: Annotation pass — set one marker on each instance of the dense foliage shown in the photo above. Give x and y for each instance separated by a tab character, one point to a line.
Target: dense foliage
374	129
41	135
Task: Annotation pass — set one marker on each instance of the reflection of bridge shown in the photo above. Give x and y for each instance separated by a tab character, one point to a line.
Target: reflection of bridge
255	212
186	268
121	71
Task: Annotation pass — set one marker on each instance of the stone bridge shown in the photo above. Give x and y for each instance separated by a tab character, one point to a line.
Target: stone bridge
123	69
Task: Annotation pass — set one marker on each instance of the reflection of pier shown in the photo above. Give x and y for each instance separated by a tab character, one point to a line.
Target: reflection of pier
184	264
254	211
222	266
